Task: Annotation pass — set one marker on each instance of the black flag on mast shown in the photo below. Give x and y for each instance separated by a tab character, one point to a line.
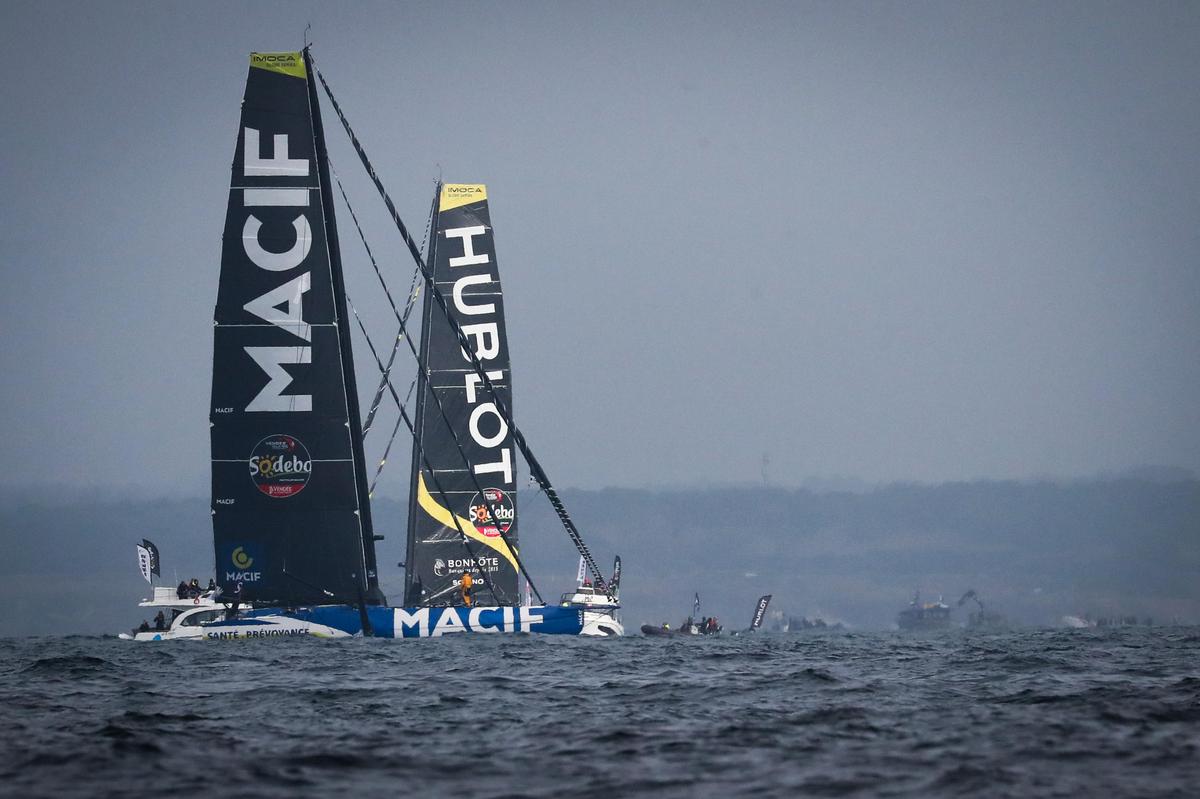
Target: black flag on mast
148	559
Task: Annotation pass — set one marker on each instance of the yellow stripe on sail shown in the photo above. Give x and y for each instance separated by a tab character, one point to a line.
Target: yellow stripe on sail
444	517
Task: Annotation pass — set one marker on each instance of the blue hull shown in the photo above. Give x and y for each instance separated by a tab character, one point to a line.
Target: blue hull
436	622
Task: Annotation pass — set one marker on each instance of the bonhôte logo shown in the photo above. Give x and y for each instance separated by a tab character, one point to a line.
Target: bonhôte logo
459	565
280	466
493	502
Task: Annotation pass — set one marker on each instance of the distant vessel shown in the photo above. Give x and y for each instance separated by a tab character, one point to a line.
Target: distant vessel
982	619
690	626
587	597
924	616
815	623
292	530
783	623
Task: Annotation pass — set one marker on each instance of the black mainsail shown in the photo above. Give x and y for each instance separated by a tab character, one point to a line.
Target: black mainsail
461	434
291	518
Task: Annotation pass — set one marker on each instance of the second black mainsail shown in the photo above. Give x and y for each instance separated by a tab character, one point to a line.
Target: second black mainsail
460	433
291	523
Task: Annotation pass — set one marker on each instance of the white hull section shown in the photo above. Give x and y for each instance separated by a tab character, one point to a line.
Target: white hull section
601	625
210	623
218	630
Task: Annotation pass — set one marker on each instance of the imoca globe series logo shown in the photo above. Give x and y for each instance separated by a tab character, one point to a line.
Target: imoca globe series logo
280	466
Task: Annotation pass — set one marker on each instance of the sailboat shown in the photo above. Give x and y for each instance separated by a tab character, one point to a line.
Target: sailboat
293	535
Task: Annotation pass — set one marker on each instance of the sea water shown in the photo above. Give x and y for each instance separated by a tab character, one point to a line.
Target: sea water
1038	712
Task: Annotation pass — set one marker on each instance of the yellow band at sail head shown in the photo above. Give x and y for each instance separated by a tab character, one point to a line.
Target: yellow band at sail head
455	194
287	63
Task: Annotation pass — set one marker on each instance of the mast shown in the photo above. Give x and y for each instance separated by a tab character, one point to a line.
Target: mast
373	595
414	587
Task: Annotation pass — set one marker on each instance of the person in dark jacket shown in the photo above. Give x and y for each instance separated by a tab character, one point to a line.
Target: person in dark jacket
231	611
160	622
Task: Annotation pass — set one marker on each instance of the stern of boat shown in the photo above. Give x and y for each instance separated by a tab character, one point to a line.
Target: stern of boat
601	624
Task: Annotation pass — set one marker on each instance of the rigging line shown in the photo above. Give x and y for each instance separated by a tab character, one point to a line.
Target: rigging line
386	451
421	375
412	299
414	291
466	541
534	466
378	398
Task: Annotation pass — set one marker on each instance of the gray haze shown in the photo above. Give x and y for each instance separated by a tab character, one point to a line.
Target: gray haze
1035	551
891	241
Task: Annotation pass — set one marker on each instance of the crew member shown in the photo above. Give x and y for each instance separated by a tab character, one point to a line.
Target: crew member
160	621
466	583
182	591
231	610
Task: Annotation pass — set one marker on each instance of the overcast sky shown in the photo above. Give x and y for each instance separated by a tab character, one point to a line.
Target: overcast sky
898	241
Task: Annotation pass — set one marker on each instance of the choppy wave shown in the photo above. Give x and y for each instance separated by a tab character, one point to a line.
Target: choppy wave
1071	712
